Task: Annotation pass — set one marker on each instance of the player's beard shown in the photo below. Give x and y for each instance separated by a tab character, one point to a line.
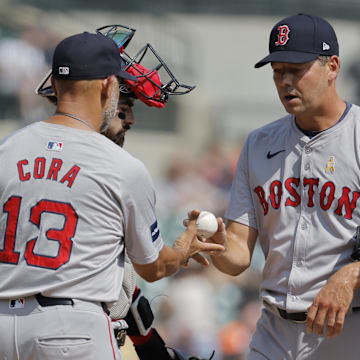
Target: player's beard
119	137
110	111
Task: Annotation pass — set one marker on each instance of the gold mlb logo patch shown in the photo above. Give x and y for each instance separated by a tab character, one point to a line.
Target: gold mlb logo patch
330	169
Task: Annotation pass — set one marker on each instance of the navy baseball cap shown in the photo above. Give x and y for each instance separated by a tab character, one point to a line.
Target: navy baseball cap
88	56
299	39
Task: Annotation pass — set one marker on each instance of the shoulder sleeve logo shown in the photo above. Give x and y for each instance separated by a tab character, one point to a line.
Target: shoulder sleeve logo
154	231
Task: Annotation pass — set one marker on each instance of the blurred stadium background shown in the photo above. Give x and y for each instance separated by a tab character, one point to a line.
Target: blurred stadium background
191	146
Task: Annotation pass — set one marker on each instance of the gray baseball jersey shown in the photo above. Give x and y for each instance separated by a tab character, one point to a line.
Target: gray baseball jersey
70	200
301	194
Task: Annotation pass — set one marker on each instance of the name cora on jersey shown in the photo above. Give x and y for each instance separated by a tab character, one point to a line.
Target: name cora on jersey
288	192
48	169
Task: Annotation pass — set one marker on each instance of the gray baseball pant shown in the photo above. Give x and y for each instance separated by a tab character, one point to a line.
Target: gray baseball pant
80	331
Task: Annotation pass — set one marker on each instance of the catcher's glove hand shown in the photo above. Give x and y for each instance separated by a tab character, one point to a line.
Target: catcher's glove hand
180	355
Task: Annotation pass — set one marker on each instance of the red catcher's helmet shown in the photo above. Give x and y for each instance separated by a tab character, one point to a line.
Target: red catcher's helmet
148	67
147	87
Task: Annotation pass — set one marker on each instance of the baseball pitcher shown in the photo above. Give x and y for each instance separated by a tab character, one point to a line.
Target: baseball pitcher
296	190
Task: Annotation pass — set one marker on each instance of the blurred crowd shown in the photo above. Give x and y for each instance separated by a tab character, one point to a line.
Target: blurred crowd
199	309
24	60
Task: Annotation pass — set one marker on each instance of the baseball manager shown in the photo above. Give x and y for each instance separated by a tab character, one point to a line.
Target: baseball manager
69	197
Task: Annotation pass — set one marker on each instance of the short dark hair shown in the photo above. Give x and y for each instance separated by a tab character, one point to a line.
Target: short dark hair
323	59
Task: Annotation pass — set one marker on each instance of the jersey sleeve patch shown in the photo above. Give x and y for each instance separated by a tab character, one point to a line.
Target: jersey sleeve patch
154	231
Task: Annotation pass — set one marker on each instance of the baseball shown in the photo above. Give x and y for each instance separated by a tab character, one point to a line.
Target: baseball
206	224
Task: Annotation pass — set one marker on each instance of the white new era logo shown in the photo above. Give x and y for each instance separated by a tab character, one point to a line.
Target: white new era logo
326	46
64	70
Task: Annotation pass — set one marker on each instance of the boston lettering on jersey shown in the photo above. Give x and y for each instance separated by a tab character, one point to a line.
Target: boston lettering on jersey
38	171
345	204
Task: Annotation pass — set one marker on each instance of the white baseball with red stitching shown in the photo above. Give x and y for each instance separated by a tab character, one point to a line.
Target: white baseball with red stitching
206	224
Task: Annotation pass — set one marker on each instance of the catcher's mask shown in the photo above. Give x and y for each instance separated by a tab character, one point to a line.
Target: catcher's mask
121	34
146	65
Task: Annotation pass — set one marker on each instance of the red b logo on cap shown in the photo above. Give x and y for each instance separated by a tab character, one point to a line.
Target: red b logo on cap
283	35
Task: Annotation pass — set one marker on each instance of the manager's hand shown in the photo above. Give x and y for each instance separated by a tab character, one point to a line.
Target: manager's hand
197	244
218	238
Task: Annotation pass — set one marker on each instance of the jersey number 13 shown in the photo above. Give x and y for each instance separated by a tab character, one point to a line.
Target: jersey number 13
62	236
